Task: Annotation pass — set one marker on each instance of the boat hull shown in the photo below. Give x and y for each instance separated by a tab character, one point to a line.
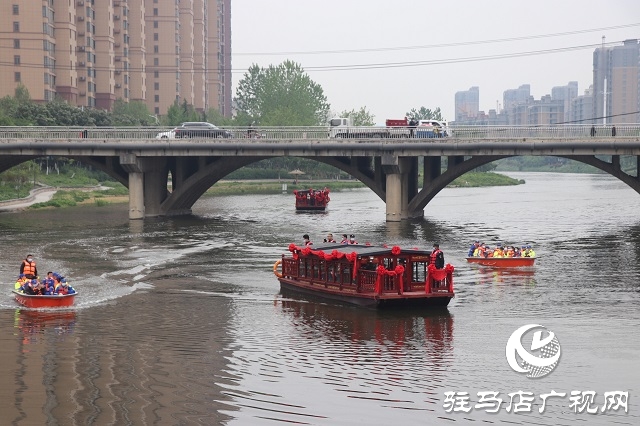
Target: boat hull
503	262
407	299
54	301
311	208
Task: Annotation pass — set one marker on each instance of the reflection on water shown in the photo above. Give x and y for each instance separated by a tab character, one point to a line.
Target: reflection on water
395	328
512	276
37	324
180	320
359	360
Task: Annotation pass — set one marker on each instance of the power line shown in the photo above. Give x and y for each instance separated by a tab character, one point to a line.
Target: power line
349	67
600	118
434	46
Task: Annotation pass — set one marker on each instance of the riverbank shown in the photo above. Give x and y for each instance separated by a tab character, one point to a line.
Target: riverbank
60	197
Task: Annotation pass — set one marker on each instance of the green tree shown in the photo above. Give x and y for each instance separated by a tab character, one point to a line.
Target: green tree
133	113
179	113
213	116
425	114
282	95
361	117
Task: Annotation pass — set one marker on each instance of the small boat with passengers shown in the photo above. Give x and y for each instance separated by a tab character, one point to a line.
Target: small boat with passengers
503	262
365	275
312	199
44	301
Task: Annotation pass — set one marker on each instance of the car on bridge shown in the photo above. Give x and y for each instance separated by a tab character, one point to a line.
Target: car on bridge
171	134
200	129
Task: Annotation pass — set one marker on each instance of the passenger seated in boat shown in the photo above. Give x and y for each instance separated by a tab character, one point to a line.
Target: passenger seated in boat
509	252
480	251
368	264
48	286
22	280
64	288
497	252
307	241
473	248
32	288
345	239
352	239
528	252
329	239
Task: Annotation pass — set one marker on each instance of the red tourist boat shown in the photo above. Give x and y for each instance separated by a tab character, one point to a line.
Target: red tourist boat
312	199
44	301
503	262
366	275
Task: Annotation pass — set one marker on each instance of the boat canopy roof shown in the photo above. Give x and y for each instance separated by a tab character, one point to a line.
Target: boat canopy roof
363	250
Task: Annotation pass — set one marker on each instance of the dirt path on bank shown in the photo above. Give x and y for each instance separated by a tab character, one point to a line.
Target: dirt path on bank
39	195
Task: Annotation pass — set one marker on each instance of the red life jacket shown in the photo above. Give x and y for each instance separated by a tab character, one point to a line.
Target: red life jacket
434	254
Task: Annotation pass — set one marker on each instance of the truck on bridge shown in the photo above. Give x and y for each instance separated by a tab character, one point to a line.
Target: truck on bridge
340	128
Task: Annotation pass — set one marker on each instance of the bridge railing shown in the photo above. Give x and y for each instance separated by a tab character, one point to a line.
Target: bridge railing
280	134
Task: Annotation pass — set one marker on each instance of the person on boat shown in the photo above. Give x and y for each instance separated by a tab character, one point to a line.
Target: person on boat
352	239
65	288
33	288
528	252
22	280
47	286
488	252
307	241
480	250
498	252
329	238
473	248
28	267
437	257
345	239
509	251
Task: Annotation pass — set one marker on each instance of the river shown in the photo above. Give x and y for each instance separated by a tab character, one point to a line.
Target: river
179	321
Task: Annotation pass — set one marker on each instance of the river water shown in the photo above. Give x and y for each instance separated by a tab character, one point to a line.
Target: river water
180	320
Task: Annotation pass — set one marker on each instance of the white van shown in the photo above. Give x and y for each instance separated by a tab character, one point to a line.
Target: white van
432	129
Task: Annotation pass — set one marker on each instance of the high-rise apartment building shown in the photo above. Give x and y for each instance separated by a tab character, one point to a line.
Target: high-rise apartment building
616	83
566	94
582	108
467	103
93	52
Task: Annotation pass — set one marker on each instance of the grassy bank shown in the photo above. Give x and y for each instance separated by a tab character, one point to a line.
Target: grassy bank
69	197
473	180
275	187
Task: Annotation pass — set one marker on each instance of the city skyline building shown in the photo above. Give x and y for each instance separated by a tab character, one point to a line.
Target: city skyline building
467	104
566	94
91	53
616	83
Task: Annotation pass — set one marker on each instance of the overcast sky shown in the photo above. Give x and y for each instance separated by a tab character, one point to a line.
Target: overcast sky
420	53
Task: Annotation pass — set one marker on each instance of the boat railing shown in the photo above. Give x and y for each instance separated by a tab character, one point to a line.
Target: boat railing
440	281
367	281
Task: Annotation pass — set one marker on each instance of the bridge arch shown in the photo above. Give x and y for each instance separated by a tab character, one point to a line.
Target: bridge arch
432	188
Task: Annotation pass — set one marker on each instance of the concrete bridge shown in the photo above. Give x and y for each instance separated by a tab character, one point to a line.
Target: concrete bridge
387	165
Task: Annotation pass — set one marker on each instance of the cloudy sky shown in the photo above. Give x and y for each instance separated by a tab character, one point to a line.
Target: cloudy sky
391	56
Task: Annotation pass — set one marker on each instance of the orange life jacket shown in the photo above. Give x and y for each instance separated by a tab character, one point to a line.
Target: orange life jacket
29	268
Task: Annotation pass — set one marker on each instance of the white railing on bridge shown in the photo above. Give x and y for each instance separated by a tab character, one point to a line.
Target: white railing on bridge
280	134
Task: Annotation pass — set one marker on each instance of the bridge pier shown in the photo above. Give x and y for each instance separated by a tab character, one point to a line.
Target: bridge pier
155	185
400	186
136	195
131	165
